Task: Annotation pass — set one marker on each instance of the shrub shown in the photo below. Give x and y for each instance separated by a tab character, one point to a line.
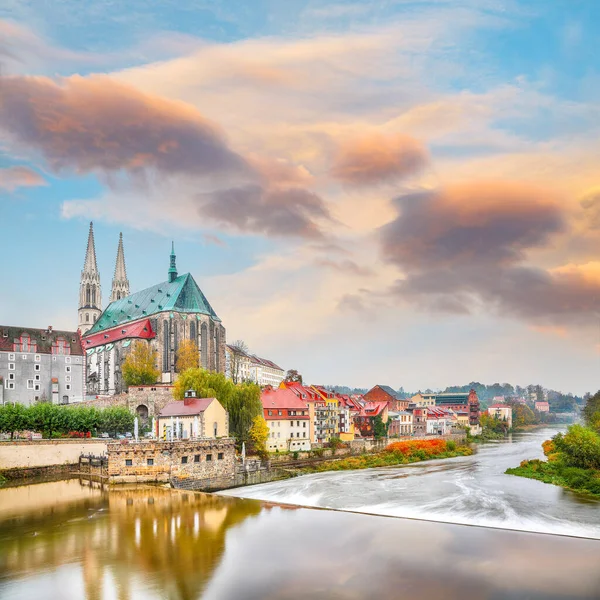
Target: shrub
451	445
296	455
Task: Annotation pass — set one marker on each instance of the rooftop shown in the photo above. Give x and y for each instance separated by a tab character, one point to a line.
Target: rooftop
181	295
191	408
44	339
282	398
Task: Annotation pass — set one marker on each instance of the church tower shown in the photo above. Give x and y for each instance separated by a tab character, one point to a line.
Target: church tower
120	283
90	295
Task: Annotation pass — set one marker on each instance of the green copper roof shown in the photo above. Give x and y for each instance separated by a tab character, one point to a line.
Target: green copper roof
181	295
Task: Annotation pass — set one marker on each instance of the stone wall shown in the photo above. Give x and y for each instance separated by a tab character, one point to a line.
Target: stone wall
146	461
46	453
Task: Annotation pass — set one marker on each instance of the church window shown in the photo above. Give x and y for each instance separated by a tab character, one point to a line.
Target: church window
94	295
94	318
175	340
87	317
165	346
87	294
193	331
204	345
118	295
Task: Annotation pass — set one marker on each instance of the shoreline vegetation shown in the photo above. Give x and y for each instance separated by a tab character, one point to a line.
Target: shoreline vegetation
573	458
396	453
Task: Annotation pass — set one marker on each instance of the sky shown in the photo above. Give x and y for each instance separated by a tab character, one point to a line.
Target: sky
398	192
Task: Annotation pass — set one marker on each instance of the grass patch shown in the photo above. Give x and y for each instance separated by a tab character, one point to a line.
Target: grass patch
585	481
398	453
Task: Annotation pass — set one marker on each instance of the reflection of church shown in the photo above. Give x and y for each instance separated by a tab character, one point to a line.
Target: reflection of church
162	316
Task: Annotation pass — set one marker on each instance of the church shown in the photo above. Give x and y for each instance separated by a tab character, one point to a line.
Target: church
162	316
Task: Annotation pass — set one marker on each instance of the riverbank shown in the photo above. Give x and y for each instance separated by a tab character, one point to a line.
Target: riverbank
582	481
397	453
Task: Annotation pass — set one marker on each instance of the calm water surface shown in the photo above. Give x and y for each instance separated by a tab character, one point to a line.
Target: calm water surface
70	539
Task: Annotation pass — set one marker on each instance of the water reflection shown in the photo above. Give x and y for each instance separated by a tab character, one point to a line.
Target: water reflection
152	542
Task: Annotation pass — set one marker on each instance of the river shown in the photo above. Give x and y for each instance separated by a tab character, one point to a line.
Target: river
469	490
73	539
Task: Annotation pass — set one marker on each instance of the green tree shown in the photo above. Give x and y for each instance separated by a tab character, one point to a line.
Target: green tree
380	428
293	375
242	401
13	417
47	418
187	356
139	366
591	411
258	434
115	419
579	447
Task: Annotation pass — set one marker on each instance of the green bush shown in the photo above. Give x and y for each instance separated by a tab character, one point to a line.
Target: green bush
451	445
296	455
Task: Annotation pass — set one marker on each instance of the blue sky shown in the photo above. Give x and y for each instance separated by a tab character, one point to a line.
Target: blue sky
276	143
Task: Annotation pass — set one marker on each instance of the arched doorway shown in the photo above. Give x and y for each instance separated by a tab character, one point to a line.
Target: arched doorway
142	413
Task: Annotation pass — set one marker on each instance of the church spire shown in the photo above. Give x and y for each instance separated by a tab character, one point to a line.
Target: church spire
90	294
120	283
172	267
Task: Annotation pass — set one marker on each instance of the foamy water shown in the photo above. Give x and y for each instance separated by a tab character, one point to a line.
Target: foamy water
470	490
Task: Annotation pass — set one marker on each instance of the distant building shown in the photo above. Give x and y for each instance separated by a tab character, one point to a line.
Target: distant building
542	406
243	366
384	393
460	402
364	420
440	420
400	423
40	364
211	418
347	410
503	412
288	419
318	411
423	399
420	420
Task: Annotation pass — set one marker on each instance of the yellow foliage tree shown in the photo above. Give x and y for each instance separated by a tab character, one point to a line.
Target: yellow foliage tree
258	434
139	368
187	356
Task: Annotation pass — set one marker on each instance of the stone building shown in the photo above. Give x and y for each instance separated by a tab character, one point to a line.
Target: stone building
41	364
243	366
161	316
384	393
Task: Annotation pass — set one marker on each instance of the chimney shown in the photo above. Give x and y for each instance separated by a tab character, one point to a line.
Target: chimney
49	328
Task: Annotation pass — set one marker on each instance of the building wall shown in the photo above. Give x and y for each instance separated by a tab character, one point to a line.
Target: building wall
19	368
45	453
378	395
287	431
502	414
203	459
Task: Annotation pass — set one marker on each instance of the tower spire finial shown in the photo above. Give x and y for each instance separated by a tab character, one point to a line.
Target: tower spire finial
90	294
120	283
173	266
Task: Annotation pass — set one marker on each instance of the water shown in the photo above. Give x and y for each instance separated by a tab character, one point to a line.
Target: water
67	540
469	490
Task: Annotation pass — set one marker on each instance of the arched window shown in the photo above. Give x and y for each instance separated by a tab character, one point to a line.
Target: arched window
88	293
95	318
94	295
217	339
215	428
193	331
204	345
166	364
87	317
175	338
118	295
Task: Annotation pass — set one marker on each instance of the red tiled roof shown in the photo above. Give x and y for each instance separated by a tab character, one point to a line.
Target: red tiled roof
372	409
179	409
137	329
282	398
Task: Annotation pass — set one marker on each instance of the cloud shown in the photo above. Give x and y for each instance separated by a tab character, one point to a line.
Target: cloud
464	249
590	202
12	178
98	124
376	158
345	266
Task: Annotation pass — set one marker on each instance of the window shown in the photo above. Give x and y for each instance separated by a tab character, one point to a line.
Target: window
67	378
37	367
61	346
298	423
196	458
291	423
10	385
36	387
24	356
304	434
30	384
270	413
67	359
208	457
11	376
67	369
279	412
220	456
150	462
11	357
87	317
11	366
184	460
37	358
128	462
68	387
37	377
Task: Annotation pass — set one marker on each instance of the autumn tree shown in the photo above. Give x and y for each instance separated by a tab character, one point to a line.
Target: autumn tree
187	356
293	375
259	434
139	368
591	411
238	351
